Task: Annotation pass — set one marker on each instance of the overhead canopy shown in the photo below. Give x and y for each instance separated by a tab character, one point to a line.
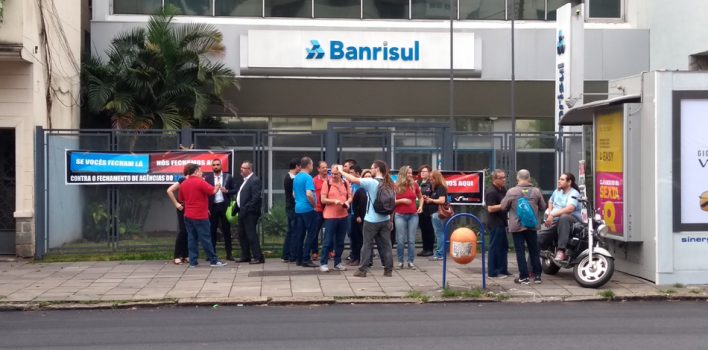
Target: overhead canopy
584	114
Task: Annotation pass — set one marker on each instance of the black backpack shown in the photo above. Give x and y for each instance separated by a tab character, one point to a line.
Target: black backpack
385	201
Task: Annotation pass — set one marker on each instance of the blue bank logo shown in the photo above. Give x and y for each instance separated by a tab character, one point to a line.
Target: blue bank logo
316	51
338	50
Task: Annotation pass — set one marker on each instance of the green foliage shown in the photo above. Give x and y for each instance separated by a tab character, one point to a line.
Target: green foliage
2	11
608	294
473	293
667	291
275	222
162	76
414	294
678	285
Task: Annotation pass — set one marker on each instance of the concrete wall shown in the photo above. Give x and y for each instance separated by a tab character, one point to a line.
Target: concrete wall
24	86
677	30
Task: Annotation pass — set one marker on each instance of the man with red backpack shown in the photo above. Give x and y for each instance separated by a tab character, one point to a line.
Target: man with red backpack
377	221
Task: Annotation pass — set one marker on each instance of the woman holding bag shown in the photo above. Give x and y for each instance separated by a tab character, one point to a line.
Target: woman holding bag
438	197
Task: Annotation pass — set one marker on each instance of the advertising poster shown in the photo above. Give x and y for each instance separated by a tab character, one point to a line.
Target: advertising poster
137	168
609	169
694	161
465	187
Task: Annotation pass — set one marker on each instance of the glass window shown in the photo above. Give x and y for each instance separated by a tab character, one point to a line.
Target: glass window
288	8
553	5
239	8
140	7
605	9
433	9
386	9
338	8
482	9
192	7
530	9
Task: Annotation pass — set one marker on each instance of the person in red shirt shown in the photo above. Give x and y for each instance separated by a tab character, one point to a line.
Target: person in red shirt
194	192
319	180
337	198
406	219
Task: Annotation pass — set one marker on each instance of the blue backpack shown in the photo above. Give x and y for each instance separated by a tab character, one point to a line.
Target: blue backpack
524	211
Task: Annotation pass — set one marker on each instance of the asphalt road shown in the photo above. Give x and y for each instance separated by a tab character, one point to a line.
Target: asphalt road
631	325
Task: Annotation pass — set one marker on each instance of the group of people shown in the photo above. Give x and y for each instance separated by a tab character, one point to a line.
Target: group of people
561	212
202	203
341	198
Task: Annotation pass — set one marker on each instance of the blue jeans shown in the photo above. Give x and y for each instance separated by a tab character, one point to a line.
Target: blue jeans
406	227
319	221
305	235
531	239
498	251
199	231
439	227
289	236
335	231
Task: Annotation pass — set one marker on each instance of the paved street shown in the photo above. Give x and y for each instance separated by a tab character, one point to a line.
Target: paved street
598	325
277	282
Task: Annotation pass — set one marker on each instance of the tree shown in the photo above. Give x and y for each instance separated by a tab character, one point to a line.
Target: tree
162	76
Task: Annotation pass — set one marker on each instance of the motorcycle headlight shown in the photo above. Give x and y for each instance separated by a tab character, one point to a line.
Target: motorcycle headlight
603	230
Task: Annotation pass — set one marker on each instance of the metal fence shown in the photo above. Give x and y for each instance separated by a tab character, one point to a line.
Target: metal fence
114	219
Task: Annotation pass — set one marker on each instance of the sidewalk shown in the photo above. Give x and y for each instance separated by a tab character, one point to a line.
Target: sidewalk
24	284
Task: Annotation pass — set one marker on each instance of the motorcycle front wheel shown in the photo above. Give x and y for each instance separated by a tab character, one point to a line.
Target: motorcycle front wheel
594	275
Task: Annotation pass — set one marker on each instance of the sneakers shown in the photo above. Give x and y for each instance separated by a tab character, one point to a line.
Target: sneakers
502	276
217	264
360	273
400	265
324	268
560	255
411	265
340	267
537	280
308	264
436	258
388	273
520	280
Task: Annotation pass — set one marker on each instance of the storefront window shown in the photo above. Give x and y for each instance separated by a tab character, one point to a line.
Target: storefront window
433	9
192	7
239	8
288	8
136	7
605	9
482	9
553	5
337	8
529	9
386	9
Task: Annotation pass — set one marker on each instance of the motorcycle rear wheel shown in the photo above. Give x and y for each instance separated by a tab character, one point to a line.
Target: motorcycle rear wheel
548	266
594	277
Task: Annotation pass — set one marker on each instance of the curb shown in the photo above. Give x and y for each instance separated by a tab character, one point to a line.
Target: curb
294	301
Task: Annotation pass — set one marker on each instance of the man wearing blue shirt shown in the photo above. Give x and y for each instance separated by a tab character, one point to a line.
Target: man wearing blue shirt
563	211
305	215
376	226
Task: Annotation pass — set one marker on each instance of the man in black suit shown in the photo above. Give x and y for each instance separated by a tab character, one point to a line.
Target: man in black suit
218	203
248	201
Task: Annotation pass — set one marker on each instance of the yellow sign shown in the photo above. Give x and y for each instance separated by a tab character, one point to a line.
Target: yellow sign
609	142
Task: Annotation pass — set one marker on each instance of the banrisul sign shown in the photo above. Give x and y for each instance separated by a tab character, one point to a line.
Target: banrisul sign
339	50
360	53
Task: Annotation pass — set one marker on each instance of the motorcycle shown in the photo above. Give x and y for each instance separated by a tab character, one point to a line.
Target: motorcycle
592	264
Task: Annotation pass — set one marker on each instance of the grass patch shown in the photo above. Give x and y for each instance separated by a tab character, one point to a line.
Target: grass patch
678	285
694	290
608	294
414	294
474	293
667	291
